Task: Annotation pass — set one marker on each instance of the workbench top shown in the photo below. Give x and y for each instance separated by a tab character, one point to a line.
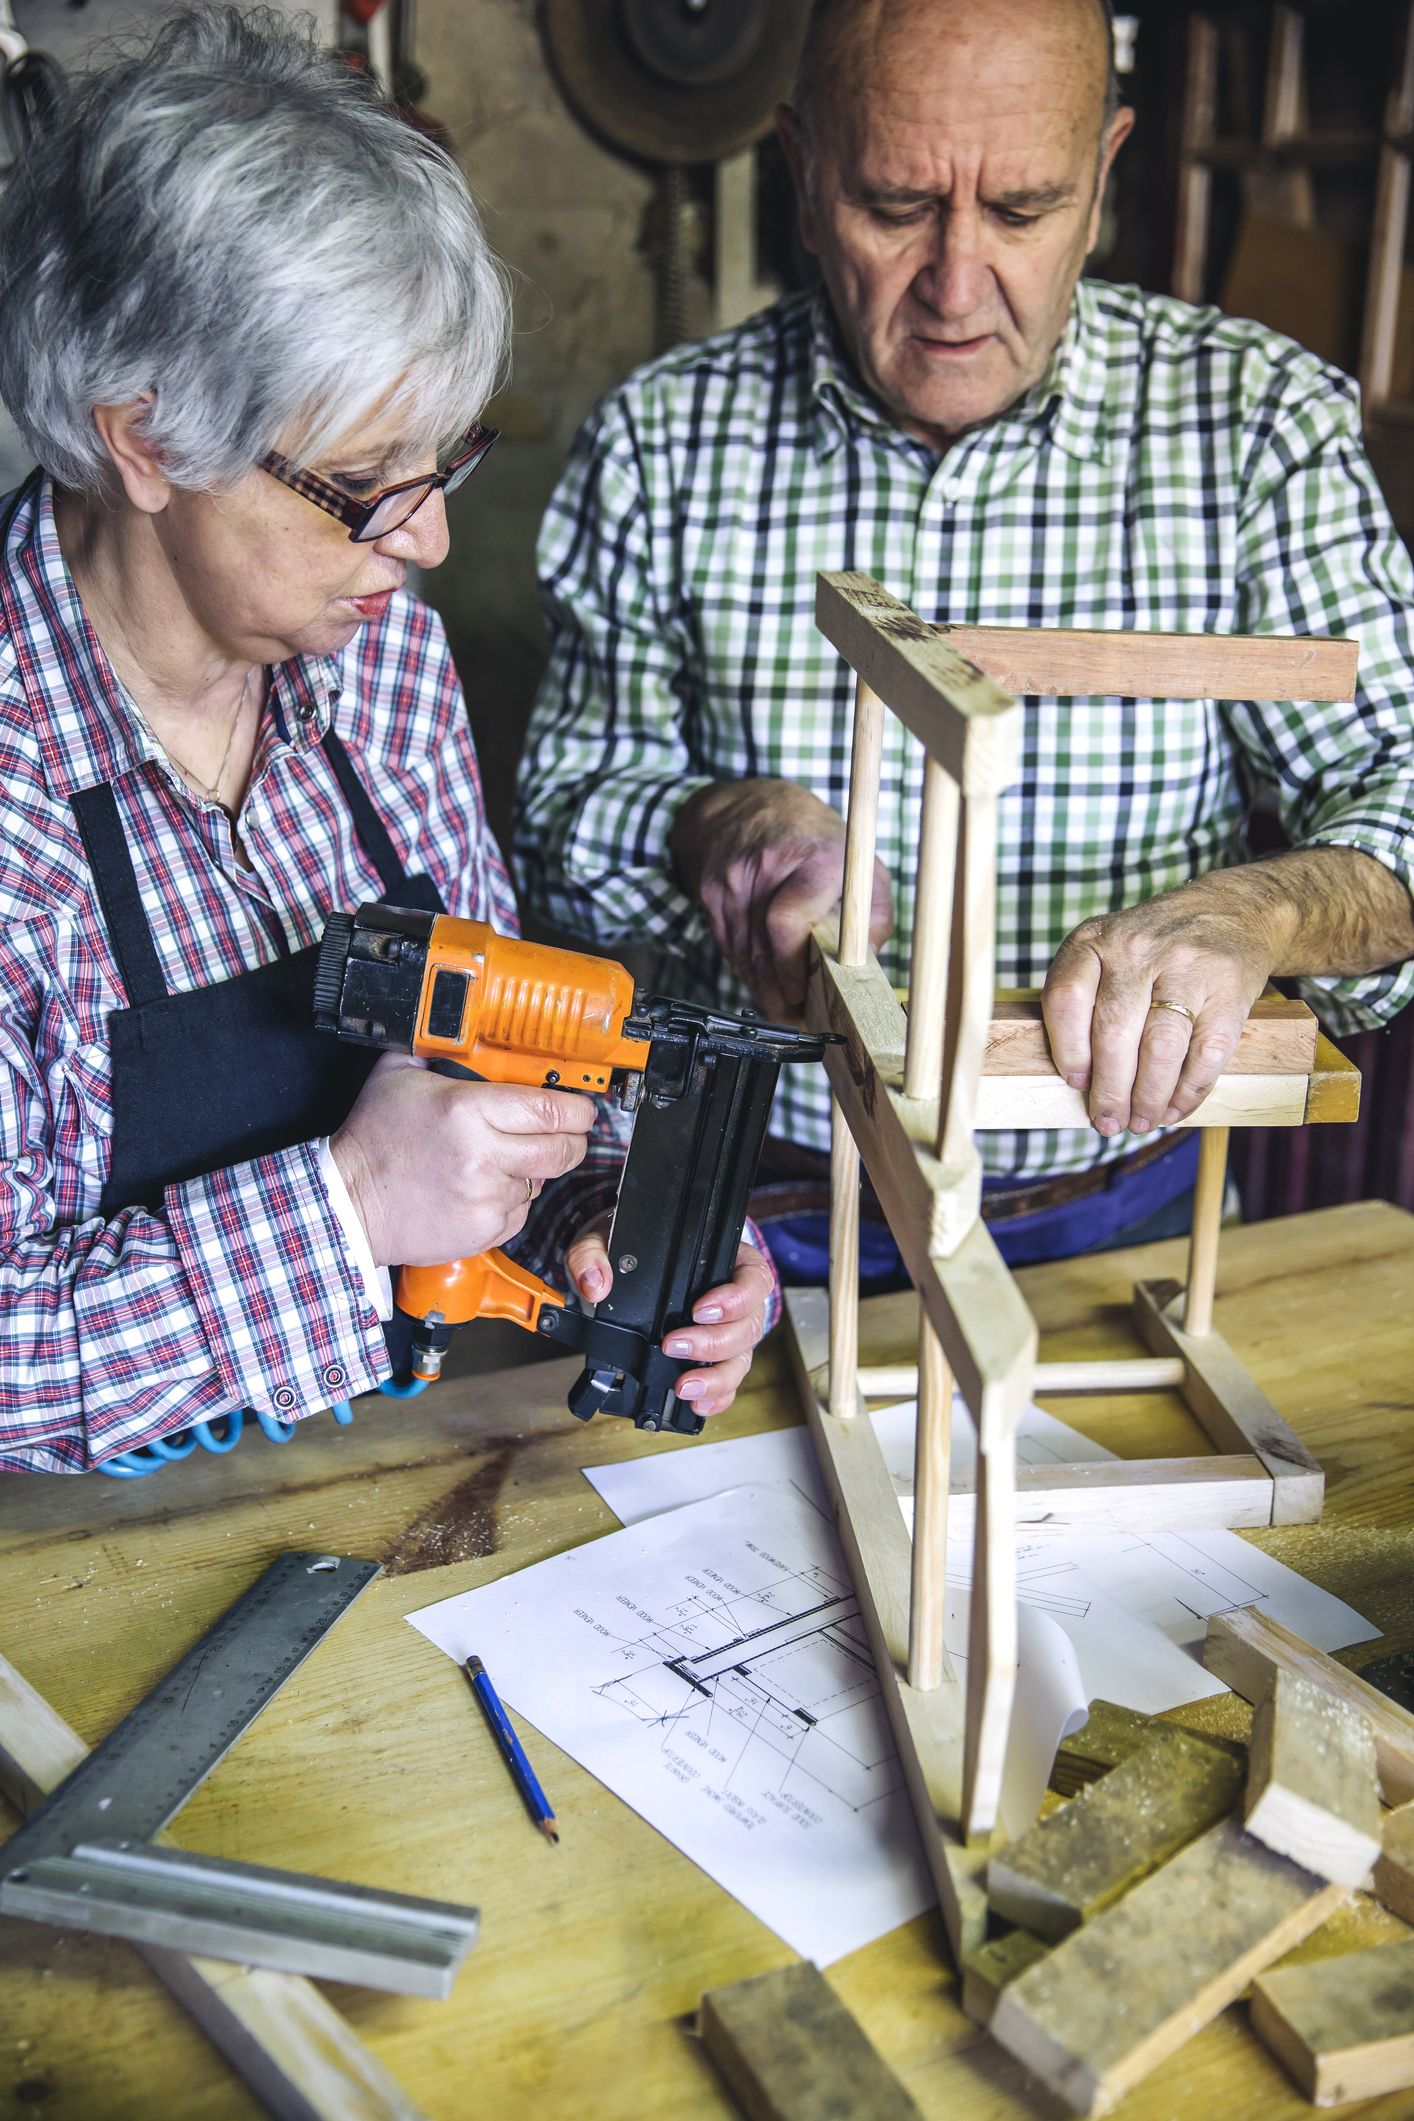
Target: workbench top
375	1765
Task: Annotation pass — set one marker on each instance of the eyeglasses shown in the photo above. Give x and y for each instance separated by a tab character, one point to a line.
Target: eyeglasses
391	506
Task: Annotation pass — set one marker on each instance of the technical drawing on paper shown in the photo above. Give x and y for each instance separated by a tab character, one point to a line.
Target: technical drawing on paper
783	1670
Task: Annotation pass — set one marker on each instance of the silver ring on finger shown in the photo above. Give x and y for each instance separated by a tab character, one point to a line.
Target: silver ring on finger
1178	1008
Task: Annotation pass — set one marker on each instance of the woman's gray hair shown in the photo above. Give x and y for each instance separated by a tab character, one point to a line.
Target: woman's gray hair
234	224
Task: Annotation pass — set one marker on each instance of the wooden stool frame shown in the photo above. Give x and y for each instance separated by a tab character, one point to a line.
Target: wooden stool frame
910	1091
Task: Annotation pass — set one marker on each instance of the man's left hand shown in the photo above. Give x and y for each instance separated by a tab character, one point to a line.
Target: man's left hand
1144	1008
727	1322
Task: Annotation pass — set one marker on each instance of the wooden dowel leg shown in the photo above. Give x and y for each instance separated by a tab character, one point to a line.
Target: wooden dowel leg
932	930
861	825
932	1453
1207	1224
991	1638
844	1267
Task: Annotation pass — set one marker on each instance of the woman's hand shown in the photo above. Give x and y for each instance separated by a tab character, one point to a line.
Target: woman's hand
727	1321
441	1169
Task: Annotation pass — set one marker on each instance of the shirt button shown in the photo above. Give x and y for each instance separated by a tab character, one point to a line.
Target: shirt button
334	1376
284	1398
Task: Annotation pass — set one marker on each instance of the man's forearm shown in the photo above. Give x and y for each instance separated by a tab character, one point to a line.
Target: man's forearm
1332	911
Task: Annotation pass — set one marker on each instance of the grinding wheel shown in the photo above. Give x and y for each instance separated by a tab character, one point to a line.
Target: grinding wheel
676	81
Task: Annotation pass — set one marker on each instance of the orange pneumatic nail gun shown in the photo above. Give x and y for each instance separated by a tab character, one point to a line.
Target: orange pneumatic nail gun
700	1086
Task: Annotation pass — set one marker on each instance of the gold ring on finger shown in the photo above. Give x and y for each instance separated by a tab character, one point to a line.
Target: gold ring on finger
529	1191
1179	1008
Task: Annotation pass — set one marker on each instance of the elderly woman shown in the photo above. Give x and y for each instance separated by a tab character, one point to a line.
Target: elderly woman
248	321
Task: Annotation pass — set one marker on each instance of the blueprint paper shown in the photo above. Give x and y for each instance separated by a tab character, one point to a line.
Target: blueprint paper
710	1666
1134	1607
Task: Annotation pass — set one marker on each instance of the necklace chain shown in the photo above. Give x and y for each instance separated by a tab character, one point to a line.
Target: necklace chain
211	789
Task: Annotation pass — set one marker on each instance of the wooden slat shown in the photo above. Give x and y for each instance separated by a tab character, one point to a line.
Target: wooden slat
1126	1991
960	717
1333	1092
1133	1495
927	1726
1246	1647
932	932
932	1456
1231	1405
1047	1101
1040	661
1278	1038
1210	1186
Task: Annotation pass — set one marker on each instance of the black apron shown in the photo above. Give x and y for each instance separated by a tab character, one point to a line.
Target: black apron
218	1075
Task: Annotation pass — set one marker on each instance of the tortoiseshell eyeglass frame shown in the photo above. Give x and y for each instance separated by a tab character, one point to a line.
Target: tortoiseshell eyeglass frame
359	515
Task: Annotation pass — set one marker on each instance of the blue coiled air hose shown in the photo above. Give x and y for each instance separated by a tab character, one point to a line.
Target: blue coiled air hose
225	1433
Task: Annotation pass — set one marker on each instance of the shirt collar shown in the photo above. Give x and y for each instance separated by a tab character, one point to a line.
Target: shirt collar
87	727
1071	401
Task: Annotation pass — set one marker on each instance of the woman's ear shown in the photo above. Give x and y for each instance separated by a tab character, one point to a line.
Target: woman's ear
123	432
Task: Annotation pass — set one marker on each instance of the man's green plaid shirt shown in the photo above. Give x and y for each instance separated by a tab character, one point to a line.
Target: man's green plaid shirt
1176	470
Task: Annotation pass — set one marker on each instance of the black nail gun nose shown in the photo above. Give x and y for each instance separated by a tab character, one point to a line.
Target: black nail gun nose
698	1083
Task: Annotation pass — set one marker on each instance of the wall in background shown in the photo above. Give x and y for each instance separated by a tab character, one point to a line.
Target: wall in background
574	221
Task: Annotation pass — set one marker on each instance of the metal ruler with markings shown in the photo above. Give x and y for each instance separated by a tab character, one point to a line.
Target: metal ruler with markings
80	1860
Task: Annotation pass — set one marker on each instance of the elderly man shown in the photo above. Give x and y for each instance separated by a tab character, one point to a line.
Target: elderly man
959	414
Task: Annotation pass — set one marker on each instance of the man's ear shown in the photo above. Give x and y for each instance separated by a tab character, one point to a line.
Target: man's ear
1118	131
788	132
122	429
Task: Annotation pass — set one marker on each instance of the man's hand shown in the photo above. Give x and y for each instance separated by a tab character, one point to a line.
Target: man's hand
727	1322
1209	947
765	859
1143	1064
437	1168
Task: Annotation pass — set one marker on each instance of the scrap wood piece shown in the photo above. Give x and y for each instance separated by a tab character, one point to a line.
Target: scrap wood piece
302	2060
1394	1867
1312	1789
986	1972
1125	1992
1342	2027
1246	1646
1109	1735
788	2050
1098	1847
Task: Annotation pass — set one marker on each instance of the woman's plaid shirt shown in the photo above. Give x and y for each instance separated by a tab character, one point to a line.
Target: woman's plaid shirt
242	1292
1176	470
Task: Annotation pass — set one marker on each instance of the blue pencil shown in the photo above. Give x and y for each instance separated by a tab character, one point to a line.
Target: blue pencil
536	1800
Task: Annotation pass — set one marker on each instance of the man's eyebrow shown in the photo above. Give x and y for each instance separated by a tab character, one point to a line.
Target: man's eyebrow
1033	198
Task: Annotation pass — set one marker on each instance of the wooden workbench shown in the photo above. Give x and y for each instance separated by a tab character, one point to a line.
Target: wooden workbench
374	1764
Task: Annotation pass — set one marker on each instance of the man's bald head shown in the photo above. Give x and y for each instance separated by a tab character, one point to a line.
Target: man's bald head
950	160
846	39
